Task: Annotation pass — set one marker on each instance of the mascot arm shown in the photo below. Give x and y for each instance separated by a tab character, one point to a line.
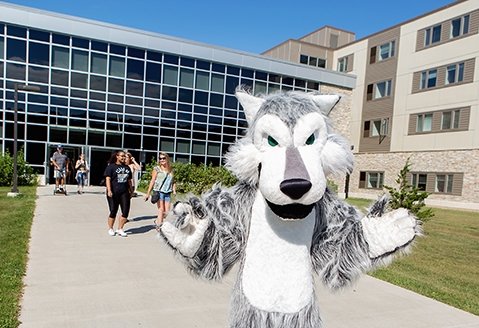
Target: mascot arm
344	245
204	234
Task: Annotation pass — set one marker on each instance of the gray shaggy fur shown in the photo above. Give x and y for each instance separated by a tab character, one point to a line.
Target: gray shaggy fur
339	250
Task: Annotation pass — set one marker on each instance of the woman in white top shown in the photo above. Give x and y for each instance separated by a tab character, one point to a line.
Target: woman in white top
162	182
135	169
82	169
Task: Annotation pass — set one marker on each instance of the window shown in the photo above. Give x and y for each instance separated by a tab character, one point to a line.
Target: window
455	73
386	50
98	63
419	180
376	128
432	35
80	60
428	79
444	183
383	89
450	120
371	180
459	26
60	57
424	123
343	64
117	66
312	61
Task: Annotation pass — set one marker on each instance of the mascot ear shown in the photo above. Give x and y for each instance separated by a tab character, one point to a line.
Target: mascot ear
250	103
326	102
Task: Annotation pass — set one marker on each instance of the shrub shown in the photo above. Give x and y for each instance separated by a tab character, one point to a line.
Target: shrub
409	196
25	173
193	178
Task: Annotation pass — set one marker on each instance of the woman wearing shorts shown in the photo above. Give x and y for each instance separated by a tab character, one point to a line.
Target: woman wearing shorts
162	182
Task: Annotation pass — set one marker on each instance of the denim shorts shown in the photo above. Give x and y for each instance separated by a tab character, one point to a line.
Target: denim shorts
165	196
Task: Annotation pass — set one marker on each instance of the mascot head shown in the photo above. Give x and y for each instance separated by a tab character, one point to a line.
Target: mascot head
289	149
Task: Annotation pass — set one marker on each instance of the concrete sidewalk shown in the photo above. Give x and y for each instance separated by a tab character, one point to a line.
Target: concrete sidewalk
79	276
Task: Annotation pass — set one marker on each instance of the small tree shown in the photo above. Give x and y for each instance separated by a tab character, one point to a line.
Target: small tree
25	174
409	196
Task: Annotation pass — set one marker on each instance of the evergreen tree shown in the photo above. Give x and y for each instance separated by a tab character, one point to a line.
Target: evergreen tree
409	196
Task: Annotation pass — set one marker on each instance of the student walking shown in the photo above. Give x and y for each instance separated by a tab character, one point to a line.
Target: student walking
82	169
119	189
163	184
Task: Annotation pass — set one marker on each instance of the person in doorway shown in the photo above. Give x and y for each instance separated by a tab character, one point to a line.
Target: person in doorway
119	188
135	168
82	170
163	183
60	163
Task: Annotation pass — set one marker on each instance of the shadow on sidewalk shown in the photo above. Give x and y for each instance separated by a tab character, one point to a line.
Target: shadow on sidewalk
140	230
141	218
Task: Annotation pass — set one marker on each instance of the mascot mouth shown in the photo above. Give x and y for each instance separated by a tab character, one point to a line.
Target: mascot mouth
293	211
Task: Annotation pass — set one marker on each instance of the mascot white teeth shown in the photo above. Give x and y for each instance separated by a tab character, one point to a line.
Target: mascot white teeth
280	221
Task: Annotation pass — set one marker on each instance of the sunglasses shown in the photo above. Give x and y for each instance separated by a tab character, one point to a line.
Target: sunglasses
162	158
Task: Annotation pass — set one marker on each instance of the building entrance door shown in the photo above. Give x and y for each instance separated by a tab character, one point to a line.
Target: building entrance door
98	161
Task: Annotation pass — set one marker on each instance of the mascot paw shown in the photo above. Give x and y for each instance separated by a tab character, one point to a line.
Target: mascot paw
183	229
386	233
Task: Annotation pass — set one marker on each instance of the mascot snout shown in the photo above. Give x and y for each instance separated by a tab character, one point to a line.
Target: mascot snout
295	188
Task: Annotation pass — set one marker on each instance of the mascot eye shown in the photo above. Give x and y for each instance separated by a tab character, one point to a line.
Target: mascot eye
272	142
310	140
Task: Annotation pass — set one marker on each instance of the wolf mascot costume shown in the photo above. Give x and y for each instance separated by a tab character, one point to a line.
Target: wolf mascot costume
280	221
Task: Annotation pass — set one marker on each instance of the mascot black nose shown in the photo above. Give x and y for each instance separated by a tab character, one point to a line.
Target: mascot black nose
295	188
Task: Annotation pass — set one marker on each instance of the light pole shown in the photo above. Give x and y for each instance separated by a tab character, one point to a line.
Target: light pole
26	88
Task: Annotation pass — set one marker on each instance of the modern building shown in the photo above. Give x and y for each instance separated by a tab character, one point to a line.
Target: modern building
105	87
416	96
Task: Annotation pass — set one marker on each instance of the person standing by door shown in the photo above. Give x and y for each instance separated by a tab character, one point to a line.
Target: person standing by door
119	189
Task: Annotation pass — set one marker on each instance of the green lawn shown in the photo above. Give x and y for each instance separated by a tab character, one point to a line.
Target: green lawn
15	221
444	264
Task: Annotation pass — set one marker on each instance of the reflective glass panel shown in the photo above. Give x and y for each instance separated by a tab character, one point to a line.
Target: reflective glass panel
135	69
16	50
60	57
98	63
39	53
186	77
80	60
117	66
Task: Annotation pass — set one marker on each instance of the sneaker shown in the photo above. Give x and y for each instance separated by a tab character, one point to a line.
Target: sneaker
122	233
111	232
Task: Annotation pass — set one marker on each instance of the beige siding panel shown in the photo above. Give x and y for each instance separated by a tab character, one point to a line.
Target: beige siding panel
436	121
431	183
416	80
412	124
464	118
441	77
373	145
469	67
382	70
350	63
380	108
420	40
457	183
474	22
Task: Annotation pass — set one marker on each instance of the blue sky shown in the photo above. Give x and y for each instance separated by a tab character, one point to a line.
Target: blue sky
247	25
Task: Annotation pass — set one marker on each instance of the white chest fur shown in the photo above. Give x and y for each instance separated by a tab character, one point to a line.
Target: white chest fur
277	274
